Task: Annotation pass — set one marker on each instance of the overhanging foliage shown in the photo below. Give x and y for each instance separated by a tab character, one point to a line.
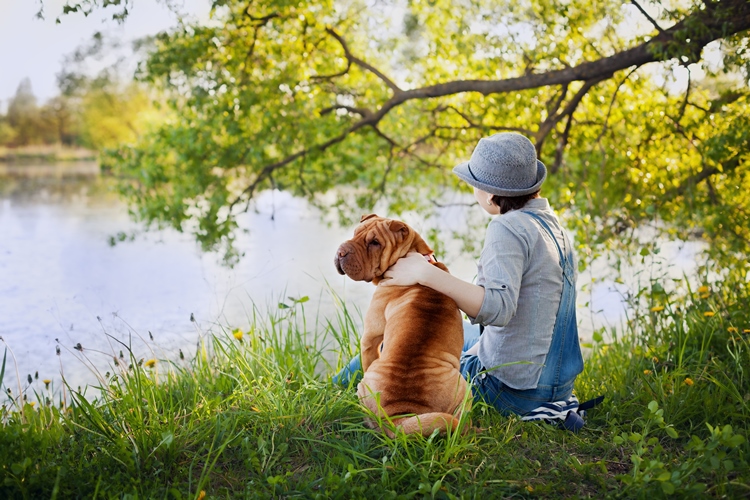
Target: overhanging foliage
387	97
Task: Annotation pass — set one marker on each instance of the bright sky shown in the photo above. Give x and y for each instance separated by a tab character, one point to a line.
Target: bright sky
35	48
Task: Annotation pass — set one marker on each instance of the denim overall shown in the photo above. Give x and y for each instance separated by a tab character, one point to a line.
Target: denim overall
562	364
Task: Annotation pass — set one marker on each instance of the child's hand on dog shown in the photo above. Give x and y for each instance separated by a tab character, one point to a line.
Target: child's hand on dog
407	271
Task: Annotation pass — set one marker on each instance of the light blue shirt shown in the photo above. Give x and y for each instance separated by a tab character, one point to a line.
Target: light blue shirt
519	269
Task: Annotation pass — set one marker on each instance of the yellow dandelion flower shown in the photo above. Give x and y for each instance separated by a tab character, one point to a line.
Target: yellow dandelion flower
47	382
746	330
647	372
689	381
657	308
705	295
708	314
529	488
237	334
703	289
150	363
202	495
655	359
732	329
32	403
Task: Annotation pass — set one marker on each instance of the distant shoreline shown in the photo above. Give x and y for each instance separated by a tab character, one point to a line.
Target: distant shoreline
47	153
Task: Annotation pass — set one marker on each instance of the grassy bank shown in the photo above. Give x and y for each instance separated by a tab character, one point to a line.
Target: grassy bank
252	414
47	153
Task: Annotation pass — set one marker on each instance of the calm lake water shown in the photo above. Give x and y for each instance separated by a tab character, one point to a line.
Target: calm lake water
61	279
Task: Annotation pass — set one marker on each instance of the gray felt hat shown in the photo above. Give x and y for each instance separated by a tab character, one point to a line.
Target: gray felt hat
504	164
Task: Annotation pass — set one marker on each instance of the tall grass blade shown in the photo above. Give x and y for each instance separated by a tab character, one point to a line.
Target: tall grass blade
2	368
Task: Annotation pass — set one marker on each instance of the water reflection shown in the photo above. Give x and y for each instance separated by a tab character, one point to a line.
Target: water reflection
60	278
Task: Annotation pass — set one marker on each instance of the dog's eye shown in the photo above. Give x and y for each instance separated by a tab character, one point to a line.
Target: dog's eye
375	243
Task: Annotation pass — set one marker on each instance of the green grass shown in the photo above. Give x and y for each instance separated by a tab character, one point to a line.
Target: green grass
258	418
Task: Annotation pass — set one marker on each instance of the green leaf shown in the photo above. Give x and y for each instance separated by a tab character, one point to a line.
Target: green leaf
735	441
436	487
671	432
653	406
667	488
167	438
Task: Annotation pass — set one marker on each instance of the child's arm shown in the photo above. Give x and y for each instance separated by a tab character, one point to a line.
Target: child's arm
414	269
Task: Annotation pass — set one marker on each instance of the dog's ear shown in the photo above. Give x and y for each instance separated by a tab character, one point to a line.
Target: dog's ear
421	246
366	217
418	244
398	228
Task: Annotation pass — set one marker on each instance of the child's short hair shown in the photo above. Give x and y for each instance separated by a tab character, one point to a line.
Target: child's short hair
508	203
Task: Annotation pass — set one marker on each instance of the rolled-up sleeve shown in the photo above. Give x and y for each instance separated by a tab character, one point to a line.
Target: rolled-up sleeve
501	267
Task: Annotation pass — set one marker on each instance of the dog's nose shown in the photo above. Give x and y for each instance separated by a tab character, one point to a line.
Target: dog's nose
342	252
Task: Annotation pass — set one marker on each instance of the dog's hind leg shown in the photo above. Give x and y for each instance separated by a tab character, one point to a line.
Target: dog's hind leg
372	337
426	424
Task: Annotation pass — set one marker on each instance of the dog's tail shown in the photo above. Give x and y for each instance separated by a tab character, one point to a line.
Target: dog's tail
425	424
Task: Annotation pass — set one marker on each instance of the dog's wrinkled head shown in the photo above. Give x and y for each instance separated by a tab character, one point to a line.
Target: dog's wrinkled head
377	244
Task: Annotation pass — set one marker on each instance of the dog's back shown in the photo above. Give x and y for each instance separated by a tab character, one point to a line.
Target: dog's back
417	372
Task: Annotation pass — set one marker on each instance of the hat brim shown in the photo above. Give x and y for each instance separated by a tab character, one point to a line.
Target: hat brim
462	172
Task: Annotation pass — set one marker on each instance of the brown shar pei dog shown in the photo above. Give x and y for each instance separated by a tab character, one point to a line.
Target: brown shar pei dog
413	335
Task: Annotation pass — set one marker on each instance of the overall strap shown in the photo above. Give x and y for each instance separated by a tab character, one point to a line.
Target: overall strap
563	261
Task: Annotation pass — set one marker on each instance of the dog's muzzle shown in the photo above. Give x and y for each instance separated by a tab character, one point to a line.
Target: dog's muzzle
340	260
346	262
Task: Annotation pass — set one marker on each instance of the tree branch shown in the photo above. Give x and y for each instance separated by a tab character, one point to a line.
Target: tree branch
359	62
612	102
551	121
334	75
262	19
552	109
472	124
651	19
705	173
560	149
360	111
701	27
687	96
268	170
